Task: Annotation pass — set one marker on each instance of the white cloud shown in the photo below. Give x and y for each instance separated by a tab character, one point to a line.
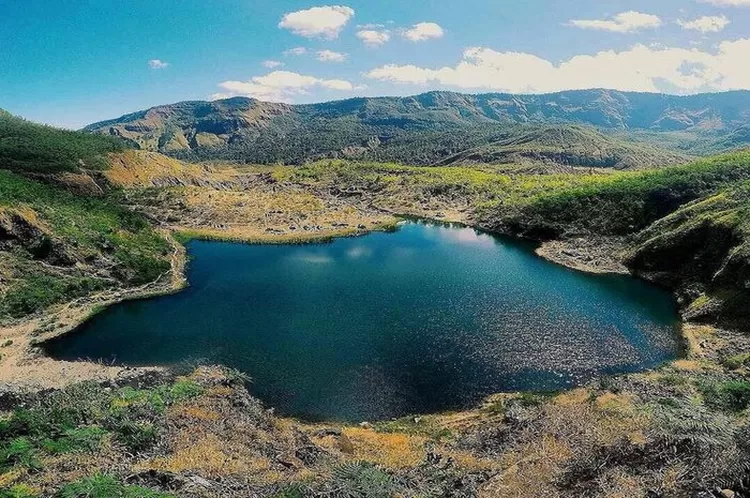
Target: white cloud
373	38
423	31
318	22
705	24
624	22
272	64
640	68
279	86
296	51
331	56
157	64
730	3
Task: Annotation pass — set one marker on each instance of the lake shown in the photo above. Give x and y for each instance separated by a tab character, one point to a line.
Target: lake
428	318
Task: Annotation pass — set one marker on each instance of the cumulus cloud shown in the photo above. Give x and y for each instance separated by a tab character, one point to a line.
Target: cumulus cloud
331	56
624	22
296	51
373	38
157	64
640	68
270	64
705	24
279	86
423	31
318	22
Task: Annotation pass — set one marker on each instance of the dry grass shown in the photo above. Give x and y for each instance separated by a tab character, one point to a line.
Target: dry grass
390	450
213	457
573	426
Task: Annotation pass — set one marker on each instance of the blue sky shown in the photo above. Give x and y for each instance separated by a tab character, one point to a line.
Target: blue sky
73	62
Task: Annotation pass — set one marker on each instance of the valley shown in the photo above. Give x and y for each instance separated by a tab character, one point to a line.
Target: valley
88	220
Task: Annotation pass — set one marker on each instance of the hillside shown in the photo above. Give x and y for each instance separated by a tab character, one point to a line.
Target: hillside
684	227
61	236
428	128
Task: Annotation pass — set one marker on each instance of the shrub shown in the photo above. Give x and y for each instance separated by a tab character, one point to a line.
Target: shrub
362	480
103	486
20	452
18	491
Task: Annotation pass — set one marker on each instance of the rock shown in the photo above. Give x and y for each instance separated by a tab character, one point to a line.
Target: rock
727	493
361	226
199	481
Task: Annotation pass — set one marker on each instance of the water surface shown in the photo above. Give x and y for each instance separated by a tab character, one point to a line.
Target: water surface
428	318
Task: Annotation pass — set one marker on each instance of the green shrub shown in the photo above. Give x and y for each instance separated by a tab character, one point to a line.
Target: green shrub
80	439
136	436
737	361
362	480
19	452
733	395
18	491
103	486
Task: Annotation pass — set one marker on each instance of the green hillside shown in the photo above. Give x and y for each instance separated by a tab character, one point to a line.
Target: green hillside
55	244
32	148
440	127
685	226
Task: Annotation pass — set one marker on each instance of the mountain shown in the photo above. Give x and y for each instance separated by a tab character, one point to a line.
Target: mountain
422	129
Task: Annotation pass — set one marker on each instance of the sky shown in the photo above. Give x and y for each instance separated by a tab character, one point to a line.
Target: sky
74	62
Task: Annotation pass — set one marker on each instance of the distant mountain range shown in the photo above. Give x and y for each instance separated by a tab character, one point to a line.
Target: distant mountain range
588	128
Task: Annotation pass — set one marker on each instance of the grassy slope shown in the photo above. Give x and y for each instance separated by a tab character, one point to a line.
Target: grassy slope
668	433
32	148
57	245
686	225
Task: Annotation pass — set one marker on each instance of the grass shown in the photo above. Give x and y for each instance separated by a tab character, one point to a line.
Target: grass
730	395
77	229
78	419
104	486
627	202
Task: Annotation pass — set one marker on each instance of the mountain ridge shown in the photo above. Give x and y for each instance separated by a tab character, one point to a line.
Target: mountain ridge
408	129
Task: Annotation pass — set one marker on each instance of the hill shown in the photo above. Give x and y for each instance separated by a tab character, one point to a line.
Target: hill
422	129
684	227
61	235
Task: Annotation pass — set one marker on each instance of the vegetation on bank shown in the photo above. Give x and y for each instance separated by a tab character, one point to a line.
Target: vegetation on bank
57	244
672	432
686	227
624	203
76	424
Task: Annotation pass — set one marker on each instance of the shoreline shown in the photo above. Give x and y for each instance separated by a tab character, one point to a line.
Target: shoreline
34	371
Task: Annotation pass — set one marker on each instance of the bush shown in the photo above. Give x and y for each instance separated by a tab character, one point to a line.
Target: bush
733	395
19	452
103	486
79	417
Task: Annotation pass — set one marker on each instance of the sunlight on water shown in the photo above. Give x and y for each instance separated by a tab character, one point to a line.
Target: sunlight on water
429	318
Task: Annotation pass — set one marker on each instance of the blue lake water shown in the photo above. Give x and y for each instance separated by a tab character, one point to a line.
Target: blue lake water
425	319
